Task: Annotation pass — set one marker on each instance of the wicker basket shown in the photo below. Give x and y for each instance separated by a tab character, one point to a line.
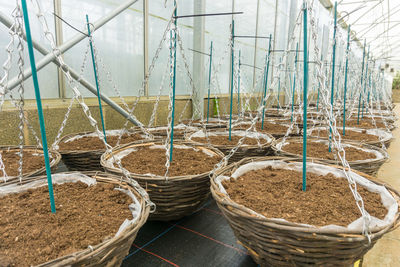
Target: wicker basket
83	160
243	151
176	197
277	134
112	251
271	242
55	158
368	166
179	131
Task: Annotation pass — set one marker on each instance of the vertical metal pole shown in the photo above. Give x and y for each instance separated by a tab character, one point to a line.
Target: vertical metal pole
266	81
294	79
209	82
146	45
173	88
345	80
96	79
362	72
305	85
239	85
232	62
333	72
39	105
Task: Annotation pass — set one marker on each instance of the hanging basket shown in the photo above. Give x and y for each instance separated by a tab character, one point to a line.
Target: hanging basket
112	250
88	159
174	196
369	166
179	131
278	242
384	136
366	124
277	130
213	123
263	148
54	158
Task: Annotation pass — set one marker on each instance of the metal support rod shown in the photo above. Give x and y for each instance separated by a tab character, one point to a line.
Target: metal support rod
173	89
266	82
232	62
39	106
305	85
96	78
333	72
209	82
345	80
8	22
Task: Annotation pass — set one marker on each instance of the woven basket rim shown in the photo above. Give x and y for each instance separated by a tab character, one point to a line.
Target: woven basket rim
108	154
331	161
129	230
290	226
54	154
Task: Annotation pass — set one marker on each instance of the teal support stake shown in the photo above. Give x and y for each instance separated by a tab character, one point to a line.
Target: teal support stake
362	72
239	109
365	84
369	90
279	83
232	61
333	72
96	79
305	84
266	81
345	80
294	79
39	105
209	82
173	90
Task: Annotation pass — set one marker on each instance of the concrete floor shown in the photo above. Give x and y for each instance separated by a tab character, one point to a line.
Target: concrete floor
386	252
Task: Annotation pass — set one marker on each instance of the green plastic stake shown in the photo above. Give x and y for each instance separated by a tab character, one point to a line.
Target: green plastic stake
232	61
333	72
362	80
294	79
173	90
239	86
96	78
39	105
209	82
345	80
305	85
266	81
279	83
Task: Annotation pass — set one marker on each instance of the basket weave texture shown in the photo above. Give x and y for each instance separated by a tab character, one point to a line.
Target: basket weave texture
281	243
112	251
175	197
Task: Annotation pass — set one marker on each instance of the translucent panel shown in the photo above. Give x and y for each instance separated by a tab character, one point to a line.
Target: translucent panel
119	43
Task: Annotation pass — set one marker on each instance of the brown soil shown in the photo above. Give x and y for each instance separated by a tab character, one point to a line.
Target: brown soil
185	162
350	135
31	234
271	128
321	150
278	194
364	123
95	143
30	162
224	140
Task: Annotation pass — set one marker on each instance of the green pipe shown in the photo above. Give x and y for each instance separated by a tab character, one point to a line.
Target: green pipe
266	81
96	79
333	72
173	90
239	86
305	82
39	105
209	82
362	73
369	90
232	61
294	79
279	84
345	80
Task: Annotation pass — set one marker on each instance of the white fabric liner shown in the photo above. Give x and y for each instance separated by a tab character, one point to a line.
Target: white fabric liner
61	178
180	126
201	134
378	132
378	154
387	199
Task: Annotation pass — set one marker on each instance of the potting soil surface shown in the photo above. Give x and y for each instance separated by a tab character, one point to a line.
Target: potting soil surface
349	135
271	128
185	161
321	150
277	193
224	140
364	123
30	234
31	162
95	143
